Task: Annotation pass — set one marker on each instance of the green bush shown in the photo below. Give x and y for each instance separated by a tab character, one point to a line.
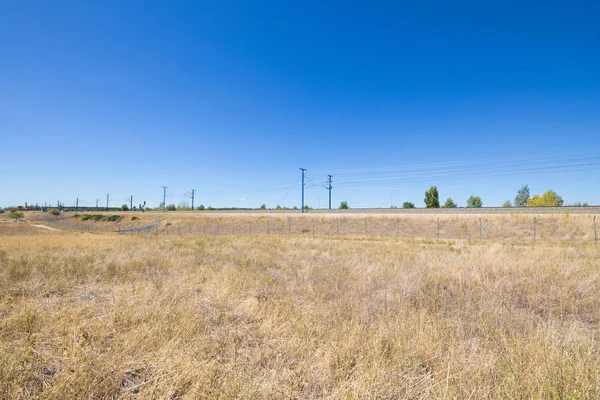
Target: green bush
507	204
344	205
124	207
171	207
201	208
54	211
1	211
263	207
16	215
408	204
450	203
76	215
134	218
474	202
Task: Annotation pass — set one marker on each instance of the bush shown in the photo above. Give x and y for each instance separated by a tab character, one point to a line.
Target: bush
507	204
344	205
54	211
263	207
432	198
209	208
201	208
408	204
450	203
171	207
548	199
124	207
16	215
1	211
76	215
134	218
278	207
474	202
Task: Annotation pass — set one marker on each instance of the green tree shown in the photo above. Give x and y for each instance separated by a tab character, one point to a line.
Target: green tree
507	204
124	207
432	199
474	202
344	205
547	199
408	204
263	207
450	203
522	197
171	207
209	208
201	208
278	207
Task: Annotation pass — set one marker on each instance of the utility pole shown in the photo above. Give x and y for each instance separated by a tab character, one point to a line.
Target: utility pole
329	188
164	197
303	173
96	204
131	203
193	192
76	204
107	202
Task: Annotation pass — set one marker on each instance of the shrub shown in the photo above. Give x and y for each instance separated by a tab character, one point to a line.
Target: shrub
507	204
16	215
450	203
408	204
548	199
171	207
209	208
134	218
114	218
432	199
278	207
201	208
263	207
474	202
124	207
76	215
54	211
1	211
344	205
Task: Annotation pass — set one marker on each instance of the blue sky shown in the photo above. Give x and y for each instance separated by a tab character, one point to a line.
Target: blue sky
230	98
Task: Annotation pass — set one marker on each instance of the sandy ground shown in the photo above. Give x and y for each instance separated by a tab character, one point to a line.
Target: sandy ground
46	227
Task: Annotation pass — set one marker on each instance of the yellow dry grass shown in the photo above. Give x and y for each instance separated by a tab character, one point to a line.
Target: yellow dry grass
292	316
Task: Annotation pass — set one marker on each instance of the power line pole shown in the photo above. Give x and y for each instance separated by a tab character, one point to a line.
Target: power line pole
131	203
329	188
96	204
76	204
164	198
193	192
303	173
107	202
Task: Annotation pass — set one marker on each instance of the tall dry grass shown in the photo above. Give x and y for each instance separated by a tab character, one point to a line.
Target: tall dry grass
238	316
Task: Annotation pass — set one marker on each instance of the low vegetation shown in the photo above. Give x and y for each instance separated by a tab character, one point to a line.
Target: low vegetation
107	316
102	218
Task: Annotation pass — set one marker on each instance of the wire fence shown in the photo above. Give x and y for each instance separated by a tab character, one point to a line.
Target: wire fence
521	229
542	228
69	225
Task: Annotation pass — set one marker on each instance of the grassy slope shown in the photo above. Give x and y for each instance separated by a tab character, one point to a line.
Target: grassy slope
296	317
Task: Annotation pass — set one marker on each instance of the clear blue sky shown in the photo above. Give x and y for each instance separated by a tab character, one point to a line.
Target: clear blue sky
230	98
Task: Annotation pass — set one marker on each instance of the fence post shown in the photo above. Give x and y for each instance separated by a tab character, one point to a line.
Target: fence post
595	236
534	228
480	230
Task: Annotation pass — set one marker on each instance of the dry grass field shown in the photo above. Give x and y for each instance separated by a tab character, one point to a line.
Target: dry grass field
101	315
